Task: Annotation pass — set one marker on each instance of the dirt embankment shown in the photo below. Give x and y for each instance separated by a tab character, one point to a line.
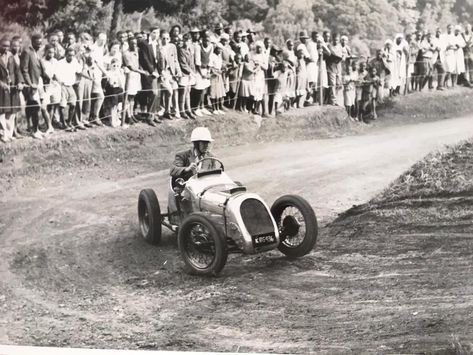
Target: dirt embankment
141	148
419	234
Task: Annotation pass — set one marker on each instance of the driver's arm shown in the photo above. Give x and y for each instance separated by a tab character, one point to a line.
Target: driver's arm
181	166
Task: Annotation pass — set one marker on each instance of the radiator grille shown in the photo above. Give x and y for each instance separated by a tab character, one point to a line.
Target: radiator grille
256	217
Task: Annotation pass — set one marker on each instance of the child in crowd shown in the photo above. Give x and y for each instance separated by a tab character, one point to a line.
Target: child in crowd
362	72
217	86
301	77
370	92
280	96
349	89
114	90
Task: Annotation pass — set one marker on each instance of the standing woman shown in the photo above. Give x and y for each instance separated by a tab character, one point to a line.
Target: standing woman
259	84
246	82
301	76
217	86
185	56
133	78
291	60
390	59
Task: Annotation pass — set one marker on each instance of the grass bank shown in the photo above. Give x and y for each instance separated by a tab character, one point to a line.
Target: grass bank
142	148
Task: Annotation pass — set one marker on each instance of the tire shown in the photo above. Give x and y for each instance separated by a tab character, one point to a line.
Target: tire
204	231
149	216
289	225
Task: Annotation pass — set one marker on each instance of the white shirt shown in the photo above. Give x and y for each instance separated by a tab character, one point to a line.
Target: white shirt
66	72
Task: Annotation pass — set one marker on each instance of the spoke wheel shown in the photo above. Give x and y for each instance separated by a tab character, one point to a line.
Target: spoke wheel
202	247
297	225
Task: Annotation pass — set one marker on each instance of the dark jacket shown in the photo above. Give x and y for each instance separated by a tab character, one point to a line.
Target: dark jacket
185	159
147	62
10	76
31	67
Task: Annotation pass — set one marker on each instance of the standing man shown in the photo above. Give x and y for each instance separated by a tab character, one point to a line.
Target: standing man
149	80
438	58
450	58
170	75
10	84
66	73
32	71
333	66
312	66
468	51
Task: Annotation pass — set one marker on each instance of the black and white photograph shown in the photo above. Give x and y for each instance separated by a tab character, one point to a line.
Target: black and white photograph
236	177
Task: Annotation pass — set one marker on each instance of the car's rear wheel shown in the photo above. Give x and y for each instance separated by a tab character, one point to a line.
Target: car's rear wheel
203	249
149	216
297	225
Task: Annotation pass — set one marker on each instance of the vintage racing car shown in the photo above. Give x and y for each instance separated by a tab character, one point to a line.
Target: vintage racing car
214	216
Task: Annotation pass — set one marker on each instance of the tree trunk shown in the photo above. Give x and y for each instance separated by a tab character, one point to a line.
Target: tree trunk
117	13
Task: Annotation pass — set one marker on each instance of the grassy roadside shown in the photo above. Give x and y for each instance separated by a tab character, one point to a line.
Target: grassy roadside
419	233
141	148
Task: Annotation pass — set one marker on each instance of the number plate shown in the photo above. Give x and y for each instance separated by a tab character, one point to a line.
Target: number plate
264	239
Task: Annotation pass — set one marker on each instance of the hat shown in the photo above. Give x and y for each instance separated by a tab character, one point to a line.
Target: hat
218	26
225	36
458	28
388	41
195	30
399	35
303	34
344	37
250	31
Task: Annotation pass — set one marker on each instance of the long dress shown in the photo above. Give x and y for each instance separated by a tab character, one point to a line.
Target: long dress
291	59
258	87
301	77
450	58
459	55
246	80
217	86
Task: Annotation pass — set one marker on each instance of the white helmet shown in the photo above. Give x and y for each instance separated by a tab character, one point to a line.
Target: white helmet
201	134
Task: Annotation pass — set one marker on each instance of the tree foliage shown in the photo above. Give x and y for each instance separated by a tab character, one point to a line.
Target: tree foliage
367	19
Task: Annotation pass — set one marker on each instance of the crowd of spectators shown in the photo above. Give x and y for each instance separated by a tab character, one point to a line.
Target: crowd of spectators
75	82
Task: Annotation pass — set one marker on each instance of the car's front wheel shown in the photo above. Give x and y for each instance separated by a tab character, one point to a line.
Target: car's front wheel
203	248
149	216
297	225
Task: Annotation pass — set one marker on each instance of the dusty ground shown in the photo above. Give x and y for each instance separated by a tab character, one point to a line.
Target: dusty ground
74	271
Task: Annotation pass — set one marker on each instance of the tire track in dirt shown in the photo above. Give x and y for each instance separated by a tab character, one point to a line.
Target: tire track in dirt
75	271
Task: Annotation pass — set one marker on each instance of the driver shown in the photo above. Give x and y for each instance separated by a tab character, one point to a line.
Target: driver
185	163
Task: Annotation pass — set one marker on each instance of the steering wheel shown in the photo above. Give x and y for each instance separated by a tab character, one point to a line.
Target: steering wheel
210	158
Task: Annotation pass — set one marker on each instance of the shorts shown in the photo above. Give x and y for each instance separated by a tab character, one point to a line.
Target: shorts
52	95
68	96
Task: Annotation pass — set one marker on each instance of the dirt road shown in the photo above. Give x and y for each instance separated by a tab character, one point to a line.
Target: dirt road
74	271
